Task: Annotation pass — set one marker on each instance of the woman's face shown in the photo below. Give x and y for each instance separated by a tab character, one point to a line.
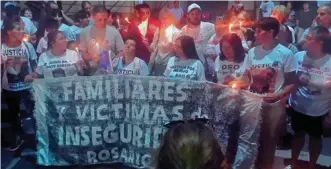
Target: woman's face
88	8
178	49
227	50
28	14
130	46
17	33
60	42
311	43
100	19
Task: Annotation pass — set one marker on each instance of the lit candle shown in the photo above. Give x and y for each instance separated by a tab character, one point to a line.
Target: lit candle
26	38
230	27
127	20
76	48
118	23
234	85
240	24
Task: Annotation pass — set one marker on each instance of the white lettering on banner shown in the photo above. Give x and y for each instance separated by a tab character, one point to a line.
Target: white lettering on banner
97	135
123	155
140	112
110	89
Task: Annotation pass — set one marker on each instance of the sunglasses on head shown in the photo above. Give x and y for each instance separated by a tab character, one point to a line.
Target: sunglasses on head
196	120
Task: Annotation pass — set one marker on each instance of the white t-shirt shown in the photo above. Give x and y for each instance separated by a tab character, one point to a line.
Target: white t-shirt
14	73
58	66
136	67
267	8
143	27
190	69
177	12
201	35
42	45
267	68
227	71
29	27
313	93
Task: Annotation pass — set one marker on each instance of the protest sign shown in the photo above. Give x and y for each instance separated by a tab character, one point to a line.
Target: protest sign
120	119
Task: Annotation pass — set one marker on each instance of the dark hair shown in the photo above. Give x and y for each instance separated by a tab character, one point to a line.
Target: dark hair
84	3
24	10
51	23
80	15
8	25
189	145
323	35
140	6
188	47
236	44
51	37
56	12
99	9
267	24
12	11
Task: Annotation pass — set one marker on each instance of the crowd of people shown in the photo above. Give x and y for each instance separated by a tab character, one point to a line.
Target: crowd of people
285	60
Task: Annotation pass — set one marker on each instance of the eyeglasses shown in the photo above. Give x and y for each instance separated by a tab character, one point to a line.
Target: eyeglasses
196	120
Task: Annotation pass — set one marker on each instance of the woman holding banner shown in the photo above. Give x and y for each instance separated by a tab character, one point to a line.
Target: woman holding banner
129	64
19	60
58	61
186	64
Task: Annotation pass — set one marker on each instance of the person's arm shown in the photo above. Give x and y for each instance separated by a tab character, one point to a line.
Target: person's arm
67	19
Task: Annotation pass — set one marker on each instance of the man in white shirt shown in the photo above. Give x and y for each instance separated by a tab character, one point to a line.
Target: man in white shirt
269	72
323	18
198	30
266	8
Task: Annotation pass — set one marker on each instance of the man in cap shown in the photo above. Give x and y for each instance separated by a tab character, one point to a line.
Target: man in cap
198	30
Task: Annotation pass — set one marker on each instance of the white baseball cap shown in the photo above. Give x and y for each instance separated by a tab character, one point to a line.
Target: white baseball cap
193	6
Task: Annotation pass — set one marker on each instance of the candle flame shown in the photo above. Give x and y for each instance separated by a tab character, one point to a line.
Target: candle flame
26	38
127	20
230	27
240	24
234	85
76	48
97	44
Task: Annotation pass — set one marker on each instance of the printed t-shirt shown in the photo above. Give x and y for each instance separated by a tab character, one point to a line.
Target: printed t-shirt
190	69
16	66
58	66
267	68
313	93
136	67
227	71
